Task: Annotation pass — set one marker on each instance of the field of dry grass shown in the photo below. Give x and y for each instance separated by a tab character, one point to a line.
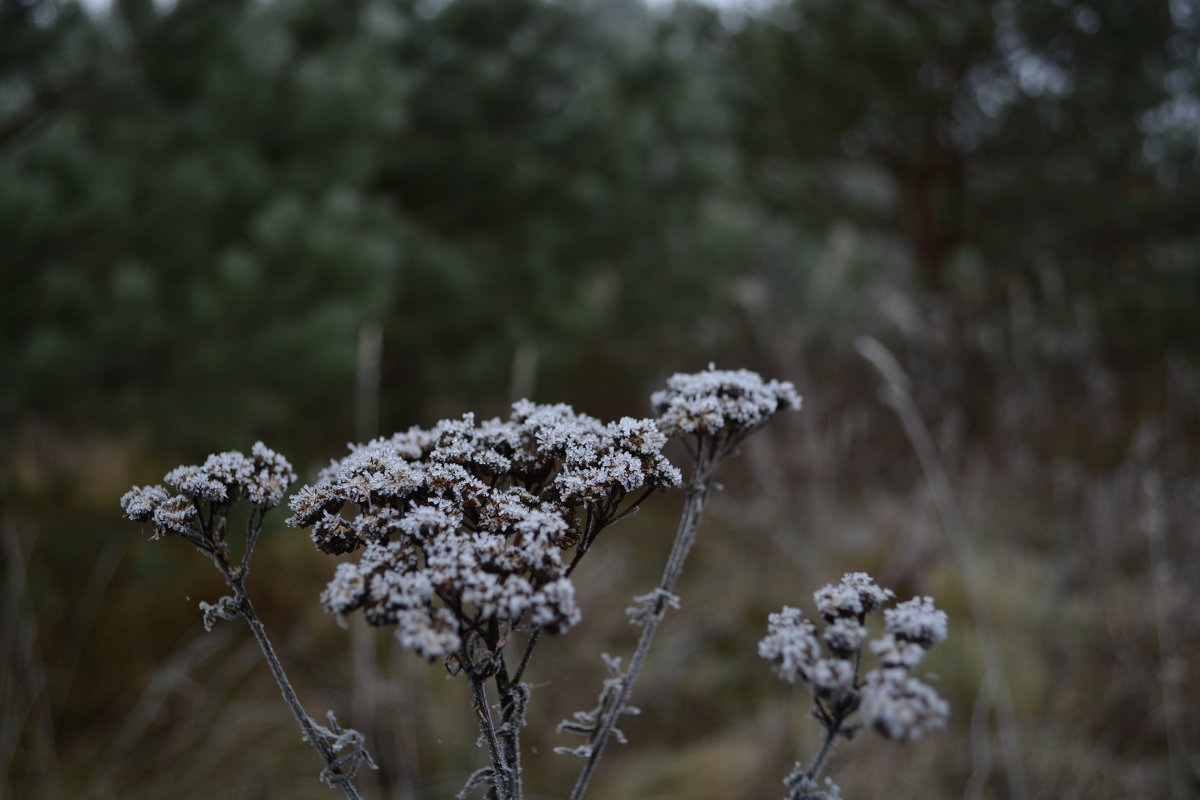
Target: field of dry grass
1070	581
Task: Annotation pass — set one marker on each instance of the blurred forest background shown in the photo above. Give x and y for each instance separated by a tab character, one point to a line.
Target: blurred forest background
229	221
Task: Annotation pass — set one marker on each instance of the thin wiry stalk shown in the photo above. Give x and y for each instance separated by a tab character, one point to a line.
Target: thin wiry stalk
697	495
833	721
503	777
293	701
512	713
236	579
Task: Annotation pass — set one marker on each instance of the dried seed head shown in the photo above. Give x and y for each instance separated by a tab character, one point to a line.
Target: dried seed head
917	621
900	707
707	402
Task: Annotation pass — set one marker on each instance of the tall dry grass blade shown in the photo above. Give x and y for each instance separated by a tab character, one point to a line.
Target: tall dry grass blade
897	393
173	674
23	678
1154	526
89	605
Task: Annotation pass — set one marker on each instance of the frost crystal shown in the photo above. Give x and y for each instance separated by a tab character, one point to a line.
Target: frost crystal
467	521
707	402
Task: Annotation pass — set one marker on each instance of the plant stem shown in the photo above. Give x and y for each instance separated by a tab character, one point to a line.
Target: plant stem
236	579
293	701
511	710
504	781
697	495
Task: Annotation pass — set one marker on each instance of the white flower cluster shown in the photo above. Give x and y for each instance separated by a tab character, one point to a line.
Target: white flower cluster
715	400
261	477
900	707
890	700
856	596
467	521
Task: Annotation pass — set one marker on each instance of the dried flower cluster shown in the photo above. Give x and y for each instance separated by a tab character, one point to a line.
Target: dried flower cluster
730	401
888	700
466	523
262	478
199	514
469	532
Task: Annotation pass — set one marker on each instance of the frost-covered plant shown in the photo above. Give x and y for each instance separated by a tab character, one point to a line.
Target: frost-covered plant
712	412
200	514
464	530
468	534
888	700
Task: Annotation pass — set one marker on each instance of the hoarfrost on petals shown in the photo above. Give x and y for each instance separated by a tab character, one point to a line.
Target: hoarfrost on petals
554	606
197	484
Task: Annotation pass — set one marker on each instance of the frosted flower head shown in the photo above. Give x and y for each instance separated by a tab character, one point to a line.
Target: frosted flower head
845	637
889	700
433	634
198	484
214	486
140	502
917	621
705	403
334	535
554	606
262	477
268	475
791	644
477	513
900	707
175	515
833	678
896	653
854	597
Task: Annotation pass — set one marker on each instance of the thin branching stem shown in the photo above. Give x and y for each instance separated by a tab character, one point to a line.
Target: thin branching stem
697	496
236	579
532	643
293	701
503	781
